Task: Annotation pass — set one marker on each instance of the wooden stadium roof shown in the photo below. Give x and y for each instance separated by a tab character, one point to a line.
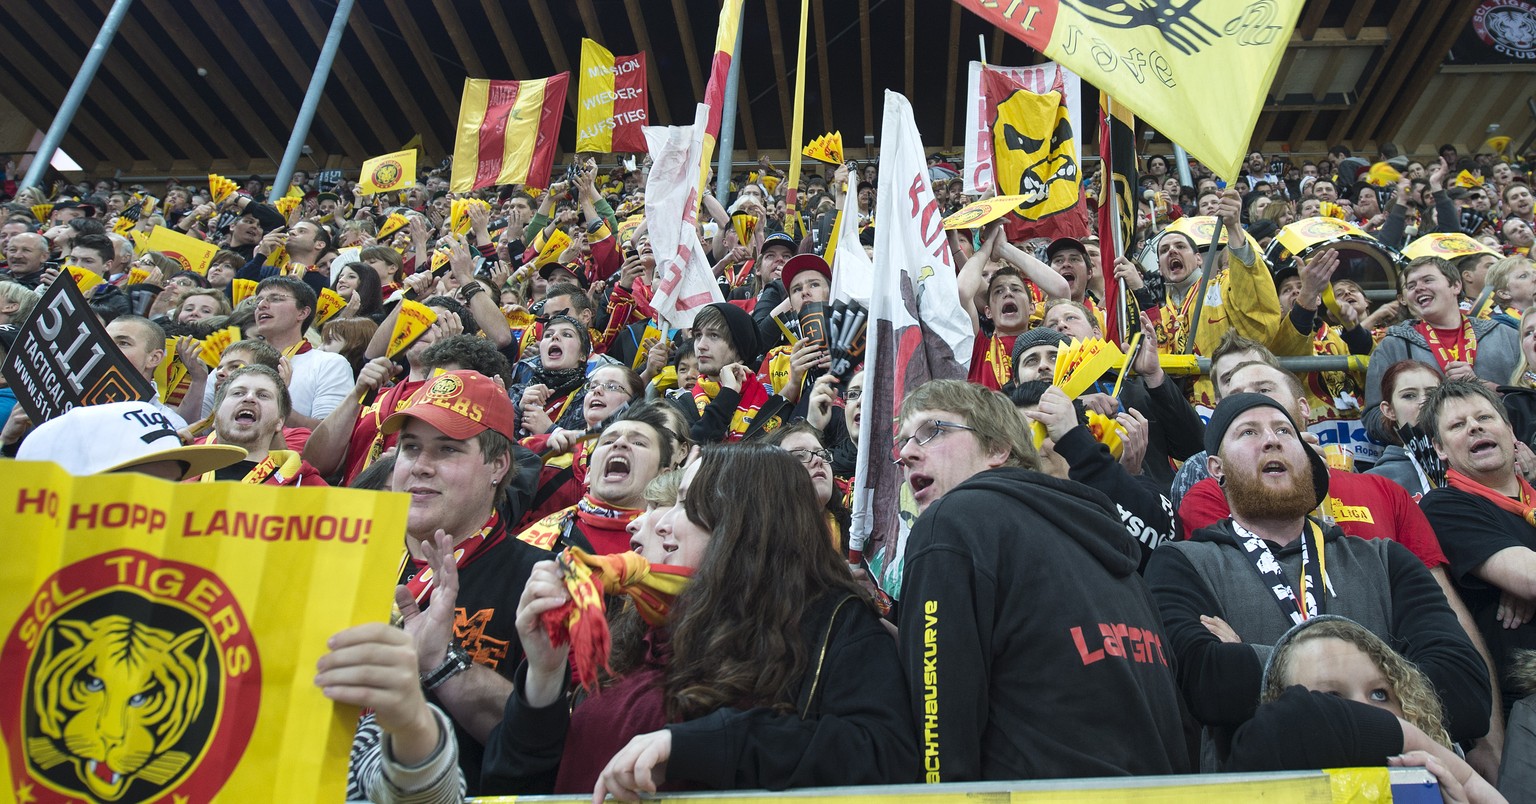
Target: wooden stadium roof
188	86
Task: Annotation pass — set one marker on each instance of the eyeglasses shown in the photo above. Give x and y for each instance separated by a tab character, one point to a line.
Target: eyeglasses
805	455
271	299
853	394
610	386
925	433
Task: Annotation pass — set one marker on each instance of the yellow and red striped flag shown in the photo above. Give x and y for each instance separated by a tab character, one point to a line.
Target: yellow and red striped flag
507	132
719	70
612	101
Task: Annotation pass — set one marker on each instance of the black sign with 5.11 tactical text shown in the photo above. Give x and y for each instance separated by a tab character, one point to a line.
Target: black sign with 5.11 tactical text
63	358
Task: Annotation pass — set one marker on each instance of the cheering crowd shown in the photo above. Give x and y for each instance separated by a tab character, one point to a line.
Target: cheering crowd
1163	572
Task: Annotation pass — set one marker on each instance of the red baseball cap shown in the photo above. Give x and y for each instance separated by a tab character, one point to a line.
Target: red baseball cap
461	404
801	263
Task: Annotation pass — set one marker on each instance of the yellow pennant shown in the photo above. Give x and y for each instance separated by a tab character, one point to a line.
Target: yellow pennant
137	275
327	305
415	319
220	188
213	347
240	289
552	249
745	224
827	148
287	204
42	212
86	279
394	223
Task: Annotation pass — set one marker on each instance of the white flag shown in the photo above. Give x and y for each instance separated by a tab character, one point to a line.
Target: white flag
853	273
684	281
918	331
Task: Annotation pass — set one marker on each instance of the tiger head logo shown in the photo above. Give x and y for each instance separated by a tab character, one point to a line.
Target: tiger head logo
130	678
114	697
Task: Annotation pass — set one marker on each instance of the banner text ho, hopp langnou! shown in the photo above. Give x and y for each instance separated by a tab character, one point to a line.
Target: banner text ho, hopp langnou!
194	524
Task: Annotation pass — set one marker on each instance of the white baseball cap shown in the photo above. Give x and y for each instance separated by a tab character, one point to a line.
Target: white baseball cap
119	436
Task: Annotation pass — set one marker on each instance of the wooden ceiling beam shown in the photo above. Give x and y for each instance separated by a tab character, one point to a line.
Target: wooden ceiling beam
506	39
690	49
551	35
1397	28
300	69
780	70
951	77
269	138
1312	18
1262	129
657	91
1450	25
590	21
88	153
375	111
823	71
231	42
1326	76
869	76
1303	127
1339	37
384	64
460	39
42	39
1283	72
1357	16
426	60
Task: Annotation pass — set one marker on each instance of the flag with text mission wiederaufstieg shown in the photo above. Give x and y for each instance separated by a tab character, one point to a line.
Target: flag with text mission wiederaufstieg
1196	71
611	101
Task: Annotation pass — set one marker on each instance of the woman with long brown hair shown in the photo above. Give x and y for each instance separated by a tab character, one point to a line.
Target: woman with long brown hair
772	669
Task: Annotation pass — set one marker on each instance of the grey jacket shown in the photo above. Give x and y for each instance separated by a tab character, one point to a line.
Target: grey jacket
1498	353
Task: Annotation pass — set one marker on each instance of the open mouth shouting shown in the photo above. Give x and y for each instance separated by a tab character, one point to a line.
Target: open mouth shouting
616	469
1483	447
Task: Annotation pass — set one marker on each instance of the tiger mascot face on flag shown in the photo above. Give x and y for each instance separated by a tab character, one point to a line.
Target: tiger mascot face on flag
114	697
1032	138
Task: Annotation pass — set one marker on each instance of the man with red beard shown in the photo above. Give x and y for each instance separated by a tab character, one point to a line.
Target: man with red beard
1009	304
249	410
1237	586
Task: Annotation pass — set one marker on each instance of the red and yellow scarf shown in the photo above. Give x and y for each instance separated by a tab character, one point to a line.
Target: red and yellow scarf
753	395
1464	350
580	621
1521	507
420	583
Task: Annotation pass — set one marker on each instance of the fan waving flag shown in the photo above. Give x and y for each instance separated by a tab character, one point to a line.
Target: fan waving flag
507	132
1034	157
918	330
1165	58
612	101
390	172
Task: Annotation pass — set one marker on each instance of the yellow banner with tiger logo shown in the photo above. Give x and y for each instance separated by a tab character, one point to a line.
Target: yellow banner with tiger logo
161	638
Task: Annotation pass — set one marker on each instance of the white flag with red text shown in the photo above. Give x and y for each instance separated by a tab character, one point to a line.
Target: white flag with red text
918	332
684	280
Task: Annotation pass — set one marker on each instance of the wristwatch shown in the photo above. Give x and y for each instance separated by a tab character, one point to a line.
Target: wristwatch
455	661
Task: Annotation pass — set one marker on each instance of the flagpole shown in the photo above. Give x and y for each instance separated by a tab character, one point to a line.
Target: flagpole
791	193
1205	279
728	126
77	90
1181	159
311	100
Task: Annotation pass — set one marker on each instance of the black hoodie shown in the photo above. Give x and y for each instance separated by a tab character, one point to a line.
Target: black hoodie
1032	648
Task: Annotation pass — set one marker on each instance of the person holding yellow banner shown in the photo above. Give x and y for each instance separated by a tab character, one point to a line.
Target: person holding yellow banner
455	460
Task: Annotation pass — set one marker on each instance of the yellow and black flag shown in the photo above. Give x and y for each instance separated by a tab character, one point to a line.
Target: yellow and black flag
1117	208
